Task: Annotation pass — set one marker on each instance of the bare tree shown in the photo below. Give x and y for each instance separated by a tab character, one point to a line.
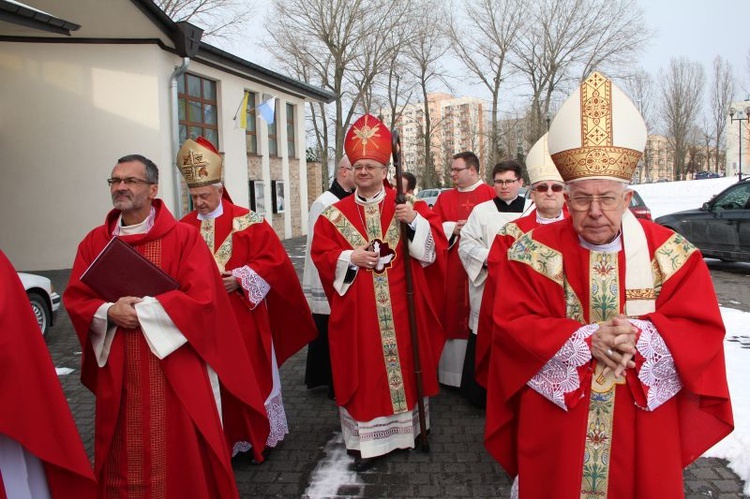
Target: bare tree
343	45
640	87
427	48
722	90
565	40
483	38
682	86
218	18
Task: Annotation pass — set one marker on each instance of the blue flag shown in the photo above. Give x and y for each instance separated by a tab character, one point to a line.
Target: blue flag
267	110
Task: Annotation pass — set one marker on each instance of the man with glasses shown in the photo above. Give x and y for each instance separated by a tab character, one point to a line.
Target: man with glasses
156	363
608	337
485	221
318	370
453	207
546	193
258	277
359	254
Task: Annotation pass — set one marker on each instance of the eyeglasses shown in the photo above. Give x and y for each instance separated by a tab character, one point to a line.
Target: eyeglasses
367	168
541	188
505	182
456	170
583	203
128	181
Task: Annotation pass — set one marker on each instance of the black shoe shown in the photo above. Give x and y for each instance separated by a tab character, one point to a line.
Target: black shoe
266	454
363	463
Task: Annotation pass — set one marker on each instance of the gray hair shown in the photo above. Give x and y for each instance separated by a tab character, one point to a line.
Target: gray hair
152	171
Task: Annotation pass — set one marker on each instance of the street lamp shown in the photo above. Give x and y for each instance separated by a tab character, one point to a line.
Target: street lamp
741	116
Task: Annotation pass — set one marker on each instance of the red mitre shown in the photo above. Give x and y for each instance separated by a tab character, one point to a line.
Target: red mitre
368	138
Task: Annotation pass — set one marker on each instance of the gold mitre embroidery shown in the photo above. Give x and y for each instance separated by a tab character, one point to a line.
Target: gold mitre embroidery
199	165
598	133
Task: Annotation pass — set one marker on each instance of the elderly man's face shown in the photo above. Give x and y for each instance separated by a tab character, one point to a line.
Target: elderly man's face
548	197
133	193
596	207
206	198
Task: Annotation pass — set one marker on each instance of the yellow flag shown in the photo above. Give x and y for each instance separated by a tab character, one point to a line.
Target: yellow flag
243	111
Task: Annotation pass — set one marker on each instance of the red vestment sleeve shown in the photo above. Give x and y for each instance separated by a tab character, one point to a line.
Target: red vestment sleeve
36	413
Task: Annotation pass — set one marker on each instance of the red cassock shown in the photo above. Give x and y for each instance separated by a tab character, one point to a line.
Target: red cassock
284	314
158	431
35	412
452	206
543	444
360	374
494	287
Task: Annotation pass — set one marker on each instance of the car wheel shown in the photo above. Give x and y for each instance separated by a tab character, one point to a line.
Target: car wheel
41	312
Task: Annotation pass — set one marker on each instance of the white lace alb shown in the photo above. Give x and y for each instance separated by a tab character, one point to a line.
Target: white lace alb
256	287
658	372
560	374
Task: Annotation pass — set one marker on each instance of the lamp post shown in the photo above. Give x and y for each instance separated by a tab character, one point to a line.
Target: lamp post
741	116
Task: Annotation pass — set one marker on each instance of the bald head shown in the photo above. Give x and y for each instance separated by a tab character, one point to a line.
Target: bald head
345	174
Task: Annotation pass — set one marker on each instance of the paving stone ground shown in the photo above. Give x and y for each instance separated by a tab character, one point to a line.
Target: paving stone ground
456	466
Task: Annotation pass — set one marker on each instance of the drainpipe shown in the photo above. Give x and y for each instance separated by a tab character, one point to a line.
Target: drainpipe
187	41
175	128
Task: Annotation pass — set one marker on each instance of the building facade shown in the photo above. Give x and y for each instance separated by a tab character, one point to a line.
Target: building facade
93	81
457	124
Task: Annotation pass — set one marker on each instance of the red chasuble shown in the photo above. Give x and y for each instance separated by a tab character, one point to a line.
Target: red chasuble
494	287
548	296
452	206
371	347
158	432
243	238
35	413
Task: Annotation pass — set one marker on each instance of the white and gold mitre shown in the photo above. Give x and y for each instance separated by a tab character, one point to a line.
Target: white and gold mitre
199	162
598	133
539	164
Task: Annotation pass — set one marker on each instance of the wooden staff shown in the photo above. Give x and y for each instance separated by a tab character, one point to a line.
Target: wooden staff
401	198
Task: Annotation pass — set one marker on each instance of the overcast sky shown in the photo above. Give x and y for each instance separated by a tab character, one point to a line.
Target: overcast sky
697	29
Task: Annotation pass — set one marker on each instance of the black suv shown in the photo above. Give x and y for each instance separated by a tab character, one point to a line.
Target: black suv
721	227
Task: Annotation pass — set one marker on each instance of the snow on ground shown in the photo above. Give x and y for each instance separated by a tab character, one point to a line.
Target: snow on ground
736	447
668	197
334	472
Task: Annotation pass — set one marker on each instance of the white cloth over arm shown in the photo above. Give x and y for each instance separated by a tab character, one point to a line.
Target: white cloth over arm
476	240
161	334
311	284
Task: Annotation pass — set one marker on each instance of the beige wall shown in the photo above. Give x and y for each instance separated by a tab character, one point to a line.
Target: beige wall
64	124
67	112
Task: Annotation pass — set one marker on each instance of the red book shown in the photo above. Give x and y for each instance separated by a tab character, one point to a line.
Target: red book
119	270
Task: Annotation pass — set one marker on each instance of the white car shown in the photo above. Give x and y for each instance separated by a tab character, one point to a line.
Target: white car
45	302
430	195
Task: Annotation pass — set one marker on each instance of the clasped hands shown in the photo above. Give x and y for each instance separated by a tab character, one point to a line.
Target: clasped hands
613	344
123	312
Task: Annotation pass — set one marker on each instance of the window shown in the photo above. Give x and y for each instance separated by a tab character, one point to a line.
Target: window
278	198
257	197
290	138
197	108
273	145
251	133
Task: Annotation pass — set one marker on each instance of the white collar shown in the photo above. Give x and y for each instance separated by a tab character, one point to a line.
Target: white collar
377	198
139	228
614	245
544	221
471	187
219	211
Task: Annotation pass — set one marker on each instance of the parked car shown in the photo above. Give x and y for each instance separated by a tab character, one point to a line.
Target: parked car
661	180
721	227
430	195
704	175
638	207
45	302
